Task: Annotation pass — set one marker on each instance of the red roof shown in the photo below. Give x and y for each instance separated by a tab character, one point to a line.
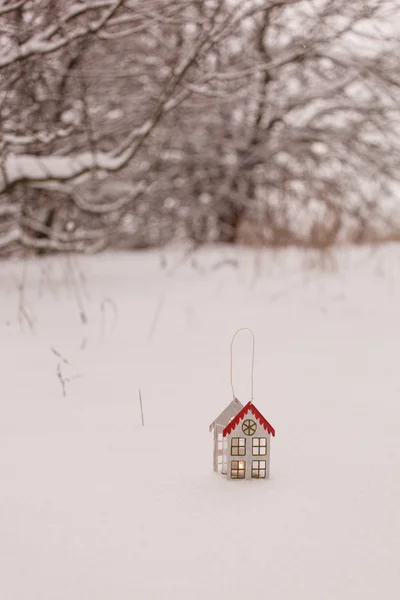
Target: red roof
256	413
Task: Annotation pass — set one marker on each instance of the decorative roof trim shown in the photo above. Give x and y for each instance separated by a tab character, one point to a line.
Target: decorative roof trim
255	412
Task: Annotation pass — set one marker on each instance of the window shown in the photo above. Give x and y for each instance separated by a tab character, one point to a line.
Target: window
238	469
238	447
222	465
259	446
222	442
249	427
259	469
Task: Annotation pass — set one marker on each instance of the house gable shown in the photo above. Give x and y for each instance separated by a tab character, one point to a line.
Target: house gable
248	410
227	414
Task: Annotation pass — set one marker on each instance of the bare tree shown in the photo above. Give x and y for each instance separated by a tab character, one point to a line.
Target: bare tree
188	117
310	152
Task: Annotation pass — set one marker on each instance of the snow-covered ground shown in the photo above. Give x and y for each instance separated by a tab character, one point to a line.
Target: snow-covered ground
93	506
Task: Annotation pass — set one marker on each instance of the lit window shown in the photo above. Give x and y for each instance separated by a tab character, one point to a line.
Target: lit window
238	469
259	469
238	447
259	446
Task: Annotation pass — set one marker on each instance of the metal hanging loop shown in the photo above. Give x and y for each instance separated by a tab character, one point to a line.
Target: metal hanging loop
252	361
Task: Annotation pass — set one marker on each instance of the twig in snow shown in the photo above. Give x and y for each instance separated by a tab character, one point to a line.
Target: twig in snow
23	313
141	406
45	281
189	252
156	317
62	379
77	290
54	351
108	302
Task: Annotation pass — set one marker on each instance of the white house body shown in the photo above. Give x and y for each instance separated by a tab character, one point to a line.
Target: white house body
242	448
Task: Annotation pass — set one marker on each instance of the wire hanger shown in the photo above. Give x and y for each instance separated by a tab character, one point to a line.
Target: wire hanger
252	361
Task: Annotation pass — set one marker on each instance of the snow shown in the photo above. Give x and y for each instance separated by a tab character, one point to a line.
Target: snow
95	506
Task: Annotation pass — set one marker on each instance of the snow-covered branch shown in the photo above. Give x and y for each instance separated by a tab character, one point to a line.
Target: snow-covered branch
25	167
56	36
90	207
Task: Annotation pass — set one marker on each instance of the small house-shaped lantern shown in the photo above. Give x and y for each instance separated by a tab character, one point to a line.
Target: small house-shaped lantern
242	442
